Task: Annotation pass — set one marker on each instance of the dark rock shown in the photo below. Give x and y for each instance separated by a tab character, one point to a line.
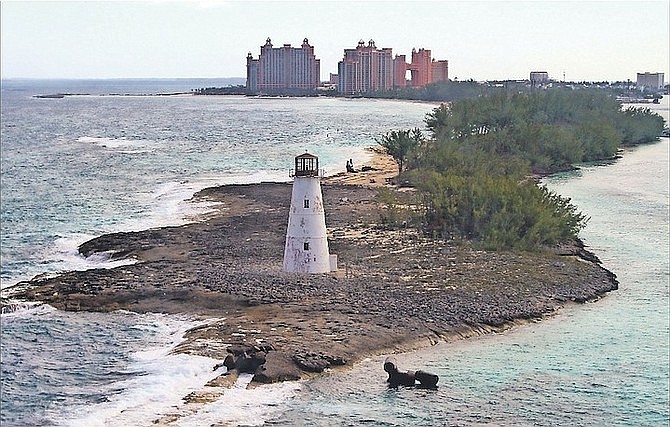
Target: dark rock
408	378
229	362
311	362
335	360
278	367
249	364
426	380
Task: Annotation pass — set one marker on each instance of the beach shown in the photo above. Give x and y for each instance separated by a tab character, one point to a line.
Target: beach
395	289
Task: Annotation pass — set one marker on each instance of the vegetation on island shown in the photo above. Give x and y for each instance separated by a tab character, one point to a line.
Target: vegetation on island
227	90
454	90
473	173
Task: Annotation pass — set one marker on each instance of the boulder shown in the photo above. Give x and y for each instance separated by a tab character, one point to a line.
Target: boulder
408	378
279	367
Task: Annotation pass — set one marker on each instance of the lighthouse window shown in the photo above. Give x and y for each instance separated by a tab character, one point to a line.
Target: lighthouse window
305	246
306	204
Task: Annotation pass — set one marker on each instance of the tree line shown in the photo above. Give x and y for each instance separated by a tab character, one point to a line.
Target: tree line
472	171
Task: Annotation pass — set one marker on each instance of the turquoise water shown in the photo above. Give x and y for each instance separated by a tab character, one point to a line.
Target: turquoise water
602	363
77	167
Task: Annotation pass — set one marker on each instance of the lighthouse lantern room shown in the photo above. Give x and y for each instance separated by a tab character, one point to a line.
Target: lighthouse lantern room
306	165
306	249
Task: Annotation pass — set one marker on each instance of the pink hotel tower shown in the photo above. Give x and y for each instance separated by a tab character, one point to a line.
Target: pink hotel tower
365	68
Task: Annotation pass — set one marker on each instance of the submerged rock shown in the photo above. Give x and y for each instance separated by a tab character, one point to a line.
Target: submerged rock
397	378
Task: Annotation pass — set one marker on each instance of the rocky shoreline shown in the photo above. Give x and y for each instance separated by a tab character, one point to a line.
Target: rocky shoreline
395	289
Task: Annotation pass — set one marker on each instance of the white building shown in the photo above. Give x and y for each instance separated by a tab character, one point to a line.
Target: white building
306	248
651	81
538	78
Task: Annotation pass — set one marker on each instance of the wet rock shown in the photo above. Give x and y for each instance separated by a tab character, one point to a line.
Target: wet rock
408	378
278	367
248	358
426	379
311	362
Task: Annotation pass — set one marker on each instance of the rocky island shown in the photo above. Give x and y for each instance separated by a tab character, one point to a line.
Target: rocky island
395	289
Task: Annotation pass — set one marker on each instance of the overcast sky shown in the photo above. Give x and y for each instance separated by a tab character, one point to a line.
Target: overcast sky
487	40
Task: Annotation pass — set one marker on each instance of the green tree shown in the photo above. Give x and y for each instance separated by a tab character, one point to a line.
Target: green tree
639	125
472	174
399	144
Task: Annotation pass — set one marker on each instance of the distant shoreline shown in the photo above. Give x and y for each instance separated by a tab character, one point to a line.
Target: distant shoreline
63	95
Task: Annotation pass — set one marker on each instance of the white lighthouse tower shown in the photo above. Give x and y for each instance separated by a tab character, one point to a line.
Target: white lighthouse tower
306	249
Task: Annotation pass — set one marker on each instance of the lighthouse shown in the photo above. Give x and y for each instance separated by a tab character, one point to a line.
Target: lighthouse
306	249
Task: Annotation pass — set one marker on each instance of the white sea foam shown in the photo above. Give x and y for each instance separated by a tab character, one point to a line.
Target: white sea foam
66	251
122	145
62	256
242	406
171	203
15	308
163	379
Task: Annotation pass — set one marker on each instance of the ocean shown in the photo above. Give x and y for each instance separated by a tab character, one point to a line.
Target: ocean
80	166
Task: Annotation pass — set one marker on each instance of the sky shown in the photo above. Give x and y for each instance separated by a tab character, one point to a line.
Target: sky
482	40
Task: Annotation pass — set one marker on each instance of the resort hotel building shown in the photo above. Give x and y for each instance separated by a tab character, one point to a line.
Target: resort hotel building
367	69
290	70
651	81
283	70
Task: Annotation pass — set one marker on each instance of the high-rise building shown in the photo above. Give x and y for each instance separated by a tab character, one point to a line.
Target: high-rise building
283	70
365	69
538	78
400	71
650	80
368	69
440	71
421	68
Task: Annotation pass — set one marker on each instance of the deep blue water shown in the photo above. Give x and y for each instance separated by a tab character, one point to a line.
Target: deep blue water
80	166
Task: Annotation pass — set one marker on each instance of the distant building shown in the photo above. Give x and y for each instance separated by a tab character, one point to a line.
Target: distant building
334	79
538	78
283	70
365	69
440	70
400	71
421	68
368	69
650	80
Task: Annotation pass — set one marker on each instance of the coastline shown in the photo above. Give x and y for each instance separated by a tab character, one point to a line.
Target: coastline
395	290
